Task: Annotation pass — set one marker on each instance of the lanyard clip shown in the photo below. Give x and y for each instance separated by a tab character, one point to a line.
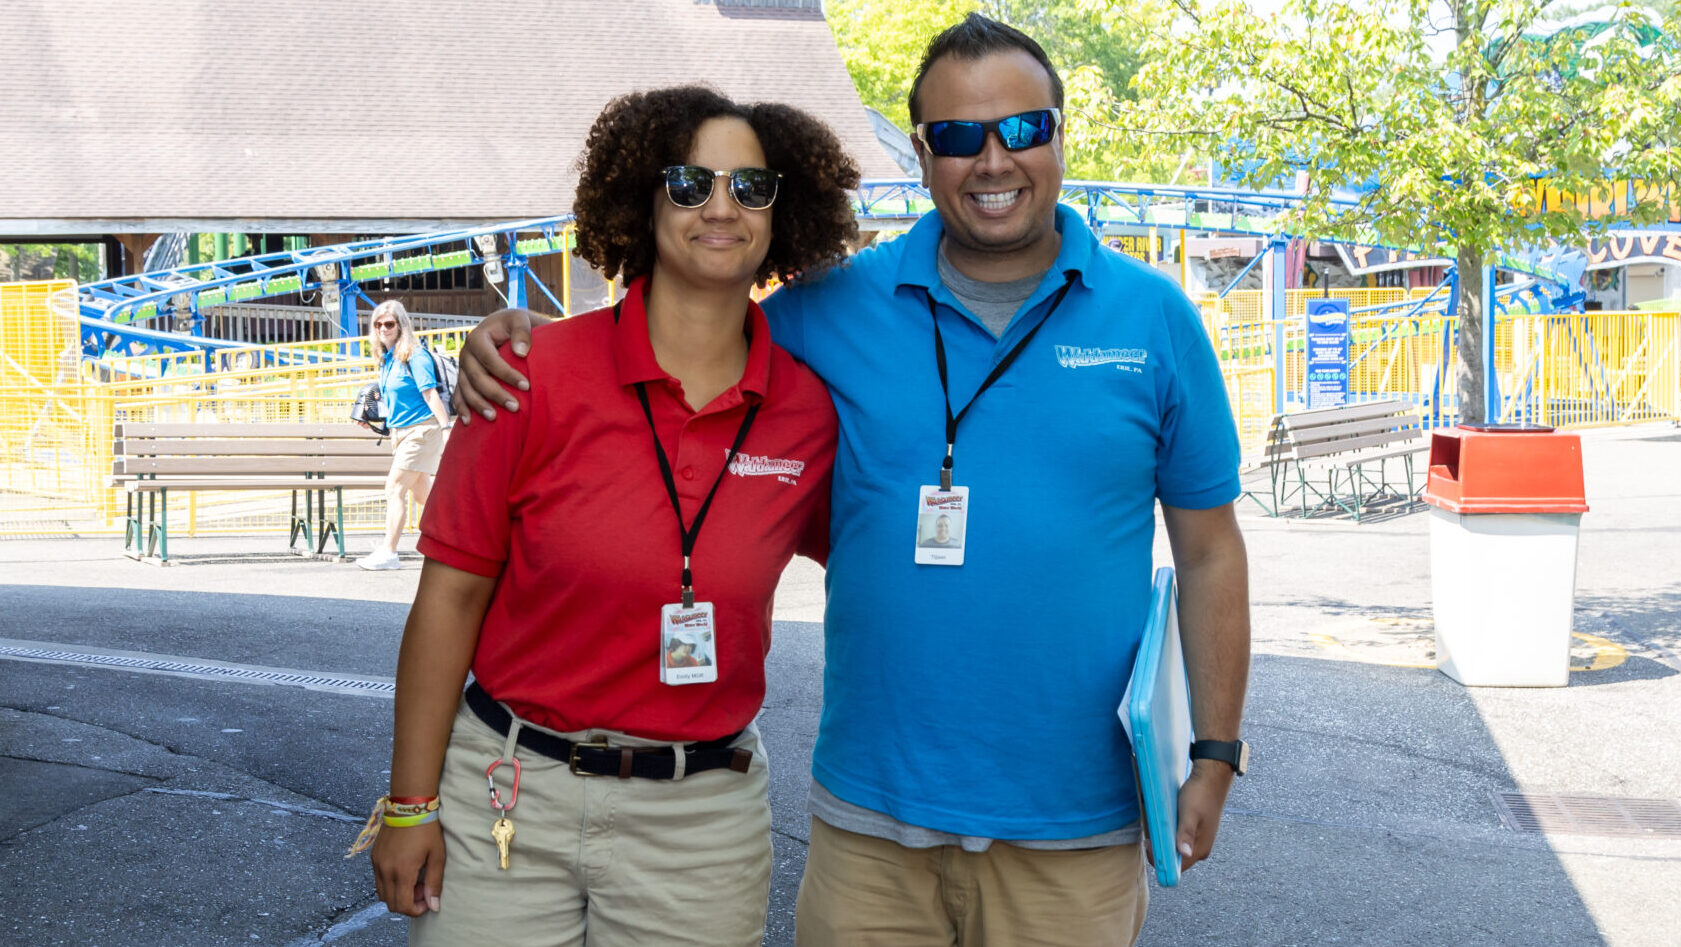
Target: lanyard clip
688	585
945	471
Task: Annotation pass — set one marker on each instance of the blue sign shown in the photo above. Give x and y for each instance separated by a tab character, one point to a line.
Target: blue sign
1327	353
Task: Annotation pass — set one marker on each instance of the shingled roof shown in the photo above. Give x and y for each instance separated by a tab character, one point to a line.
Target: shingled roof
321	115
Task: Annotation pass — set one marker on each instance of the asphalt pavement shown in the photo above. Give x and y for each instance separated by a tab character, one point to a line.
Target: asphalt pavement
186	752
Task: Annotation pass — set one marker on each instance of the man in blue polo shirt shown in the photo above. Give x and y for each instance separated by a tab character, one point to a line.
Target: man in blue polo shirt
998	366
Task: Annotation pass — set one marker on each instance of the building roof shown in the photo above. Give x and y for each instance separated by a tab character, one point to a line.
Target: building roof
377	115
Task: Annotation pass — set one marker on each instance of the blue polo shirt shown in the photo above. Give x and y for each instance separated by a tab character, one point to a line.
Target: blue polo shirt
402	387
980	700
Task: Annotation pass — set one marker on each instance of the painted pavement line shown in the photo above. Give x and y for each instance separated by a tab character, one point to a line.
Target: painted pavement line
49	652
349	925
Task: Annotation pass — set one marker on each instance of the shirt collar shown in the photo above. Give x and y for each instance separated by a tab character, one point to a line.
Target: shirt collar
633	353
918	265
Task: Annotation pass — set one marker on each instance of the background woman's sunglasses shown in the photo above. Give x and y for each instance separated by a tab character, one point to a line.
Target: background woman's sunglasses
966	139
690	185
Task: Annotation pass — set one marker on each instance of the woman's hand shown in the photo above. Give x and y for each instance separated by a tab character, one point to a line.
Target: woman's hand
485	376
409	867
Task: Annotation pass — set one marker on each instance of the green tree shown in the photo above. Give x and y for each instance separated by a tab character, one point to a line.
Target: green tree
1455	108
882	41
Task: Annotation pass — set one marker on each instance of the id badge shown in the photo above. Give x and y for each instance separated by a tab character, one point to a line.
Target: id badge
941	526
688	645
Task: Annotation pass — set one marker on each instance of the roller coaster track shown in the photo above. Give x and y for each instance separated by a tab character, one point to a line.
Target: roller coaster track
160	311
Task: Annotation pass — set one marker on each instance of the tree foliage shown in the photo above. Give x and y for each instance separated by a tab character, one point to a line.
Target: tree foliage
882	42
1444	117
42	261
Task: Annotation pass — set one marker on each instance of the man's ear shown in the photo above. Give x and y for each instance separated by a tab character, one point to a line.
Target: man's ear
922	158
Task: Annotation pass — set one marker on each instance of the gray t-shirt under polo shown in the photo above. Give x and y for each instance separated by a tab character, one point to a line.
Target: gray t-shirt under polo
995	304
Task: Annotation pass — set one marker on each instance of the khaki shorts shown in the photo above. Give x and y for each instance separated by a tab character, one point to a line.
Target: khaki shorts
636	861
860	891
417	447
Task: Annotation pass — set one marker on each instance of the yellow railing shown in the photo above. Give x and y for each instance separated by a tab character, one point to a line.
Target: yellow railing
56	414
1569	370
55	432
1595	369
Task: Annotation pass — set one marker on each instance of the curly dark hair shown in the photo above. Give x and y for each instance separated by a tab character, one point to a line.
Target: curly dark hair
638	134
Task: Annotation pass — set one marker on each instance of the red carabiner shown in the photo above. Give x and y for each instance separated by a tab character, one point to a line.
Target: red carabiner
513	793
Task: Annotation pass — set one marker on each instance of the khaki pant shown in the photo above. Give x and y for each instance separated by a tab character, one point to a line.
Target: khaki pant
860	891
597	860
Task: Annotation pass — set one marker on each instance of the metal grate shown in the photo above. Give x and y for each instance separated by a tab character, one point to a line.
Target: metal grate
186	667
1589	815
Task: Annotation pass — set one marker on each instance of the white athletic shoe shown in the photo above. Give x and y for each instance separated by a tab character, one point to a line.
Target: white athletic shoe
380	560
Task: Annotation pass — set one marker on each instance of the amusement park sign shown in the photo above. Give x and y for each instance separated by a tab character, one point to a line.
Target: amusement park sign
1621	249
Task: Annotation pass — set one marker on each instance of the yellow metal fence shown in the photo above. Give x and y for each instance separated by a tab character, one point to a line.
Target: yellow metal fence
1564	370
56	424
56	412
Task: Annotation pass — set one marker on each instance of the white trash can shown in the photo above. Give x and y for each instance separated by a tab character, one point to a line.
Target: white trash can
1506	506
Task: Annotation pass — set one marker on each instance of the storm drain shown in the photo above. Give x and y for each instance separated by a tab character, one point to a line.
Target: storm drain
1589	815
206	670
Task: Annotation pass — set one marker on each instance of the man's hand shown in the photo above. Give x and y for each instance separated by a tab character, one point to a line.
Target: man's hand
485	377
409	867
1201	800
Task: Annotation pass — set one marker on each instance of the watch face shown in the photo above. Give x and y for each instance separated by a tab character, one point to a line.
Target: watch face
1242	757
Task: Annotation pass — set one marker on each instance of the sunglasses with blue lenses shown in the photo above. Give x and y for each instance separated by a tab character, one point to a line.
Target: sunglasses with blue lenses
966	139
690	185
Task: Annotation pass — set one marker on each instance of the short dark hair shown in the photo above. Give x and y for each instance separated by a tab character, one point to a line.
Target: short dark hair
972	38
638	134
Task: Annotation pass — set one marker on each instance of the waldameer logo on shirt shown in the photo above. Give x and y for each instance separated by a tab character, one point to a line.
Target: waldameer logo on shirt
1082	356
747	465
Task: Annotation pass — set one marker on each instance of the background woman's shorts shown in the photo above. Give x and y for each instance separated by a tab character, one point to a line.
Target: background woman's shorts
417	447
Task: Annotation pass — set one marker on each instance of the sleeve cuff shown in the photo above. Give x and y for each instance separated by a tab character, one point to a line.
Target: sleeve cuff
1205	499
459	559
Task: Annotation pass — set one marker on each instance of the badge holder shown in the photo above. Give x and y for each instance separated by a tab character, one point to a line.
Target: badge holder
688	644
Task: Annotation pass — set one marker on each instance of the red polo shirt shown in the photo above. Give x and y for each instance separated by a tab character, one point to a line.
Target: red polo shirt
563	502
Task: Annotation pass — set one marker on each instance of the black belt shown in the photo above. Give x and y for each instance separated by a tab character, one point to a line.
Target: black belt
599	758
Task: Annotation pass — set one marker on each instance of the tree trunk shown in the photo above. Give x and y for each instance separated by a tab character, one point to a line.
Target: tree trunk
1468	366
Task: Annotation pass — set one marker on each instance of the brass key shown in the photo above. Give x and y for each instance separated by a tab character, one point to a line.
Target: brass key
503	832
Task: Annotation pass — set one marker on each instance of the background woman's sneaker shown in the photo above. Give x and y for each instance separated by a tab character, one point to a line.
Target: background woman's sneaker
380	560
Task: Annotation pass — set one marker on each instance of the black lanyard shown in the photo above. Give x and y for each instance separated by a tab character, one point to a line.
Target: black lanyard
690	533
997	370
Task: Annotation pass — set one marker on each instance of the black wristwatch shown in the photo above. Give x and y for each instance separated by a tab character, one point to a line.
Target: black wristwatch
1234	753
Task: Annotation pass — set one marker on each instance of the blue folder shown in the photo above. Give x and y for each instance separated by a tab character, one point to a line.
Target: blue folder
1156	713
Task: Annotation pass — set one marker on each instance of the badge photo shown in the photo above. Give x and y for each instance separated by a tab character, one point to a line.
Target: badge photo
942	518
688	645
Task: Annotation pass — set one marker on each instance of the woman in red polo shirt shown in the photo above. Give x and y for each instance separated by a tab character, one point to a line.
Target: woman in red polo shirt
642	501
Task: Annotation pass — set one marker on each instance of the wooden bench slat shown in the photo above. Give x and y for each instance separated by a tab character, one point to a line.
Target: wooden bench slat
1348	412
367	446
131	429
1350	444
279	485
1316	447
209	466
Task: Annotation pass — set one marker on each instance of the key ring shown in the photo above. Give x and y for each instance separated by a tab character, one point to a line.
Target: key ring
513	792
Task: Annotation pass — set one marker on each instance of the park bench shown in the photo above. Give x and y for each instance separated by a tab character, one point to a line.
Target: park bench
1339	457
307	460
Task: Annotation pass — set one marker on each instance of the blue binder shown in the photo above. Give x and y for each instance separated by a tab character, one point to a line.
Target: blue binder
1156	713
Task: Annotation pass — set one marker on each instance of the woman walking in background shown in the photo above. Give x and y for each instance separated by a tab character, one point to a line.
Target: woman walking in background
408	390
